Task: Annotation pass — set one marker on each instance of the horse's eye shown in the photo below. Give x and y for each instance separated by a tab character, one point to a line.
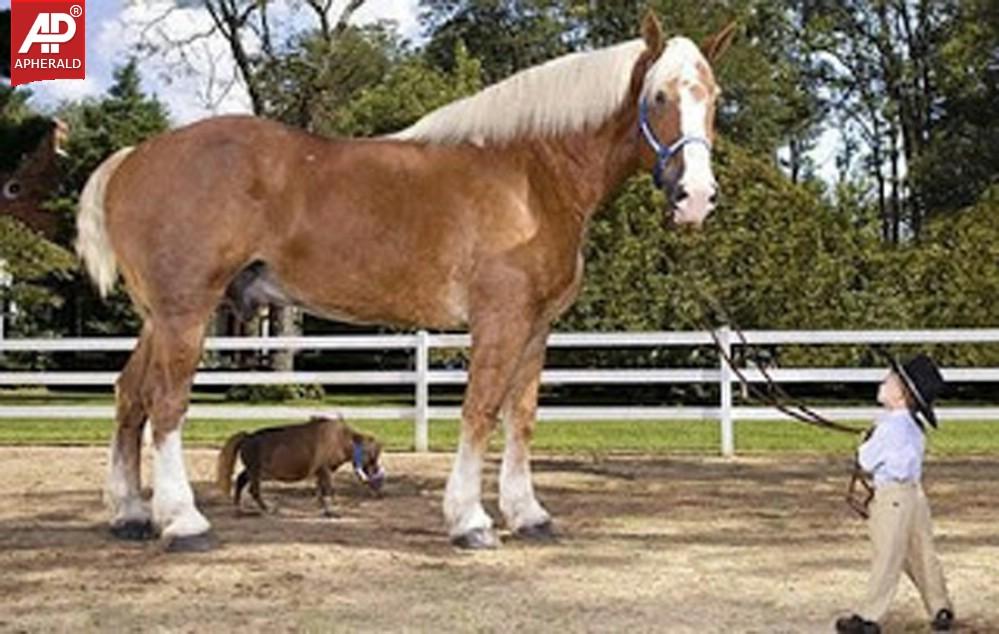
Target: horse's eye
12	189
660	98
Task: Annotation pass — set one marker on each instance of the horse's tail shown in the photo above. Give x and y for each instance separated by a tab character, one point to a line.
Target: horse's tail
92	244
227	461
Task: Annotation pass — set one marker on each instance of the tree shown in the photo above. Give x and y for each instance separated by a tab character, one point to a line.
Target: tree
505	35
408	91
950	277
35	266
126	116
961	157
882	69
308	84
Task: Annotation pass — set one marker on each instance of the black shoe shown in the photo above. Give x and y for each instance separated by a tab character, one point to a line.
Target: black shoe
856	624
943	621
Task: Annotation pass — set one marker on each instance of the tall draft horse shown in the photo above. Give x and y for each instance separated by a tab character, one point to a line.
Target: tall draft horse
475	216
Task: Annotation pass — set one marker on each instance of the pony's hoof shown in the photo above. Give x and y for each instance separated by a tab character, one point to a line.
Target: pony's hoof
476	539
200	543
134	530
332	515
542	533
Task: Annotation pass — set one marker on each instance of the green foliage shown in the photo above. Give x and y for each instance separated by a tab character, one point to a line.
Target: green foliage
307	85
962	157
410	90
950	277
773	254
505	36
98	128
35	265
20	129
275	393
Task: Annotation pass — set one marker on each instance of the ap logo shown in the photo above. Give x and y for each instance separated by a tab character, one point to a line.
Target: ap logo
47	40
50	30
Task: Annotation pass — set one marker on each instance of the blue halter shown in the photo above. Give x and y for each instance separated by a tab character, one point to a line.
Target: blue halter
663	152
358	457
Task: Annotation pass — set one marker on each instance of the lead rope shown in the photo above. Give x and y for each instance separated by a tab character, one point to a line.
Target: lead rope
859	492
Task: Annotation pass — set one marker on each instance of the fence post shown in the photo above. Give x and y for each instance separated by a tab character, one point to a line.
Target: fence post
725	379
421	428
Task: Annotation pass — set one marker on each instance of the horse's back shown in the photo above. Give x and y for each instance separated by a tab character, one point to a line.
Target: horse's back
286	453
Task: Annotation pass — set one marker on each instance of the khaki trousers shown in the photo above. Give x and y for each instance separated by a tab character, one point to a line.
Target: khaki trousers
902	539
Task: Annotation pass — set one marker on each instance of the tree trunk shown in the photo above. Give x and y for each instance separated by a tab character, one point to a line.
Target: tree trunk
285	321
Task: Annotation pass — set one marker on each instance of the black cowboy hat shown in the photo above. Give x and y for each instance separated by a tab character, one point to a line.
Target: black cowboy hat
922	379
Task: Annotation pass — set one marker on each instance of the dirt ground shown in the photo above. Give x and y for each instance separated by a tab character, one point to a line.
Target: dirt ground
664	544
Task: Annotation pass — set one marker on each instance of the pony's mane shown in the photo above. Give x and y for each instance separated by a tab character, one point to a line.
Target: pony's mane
569	93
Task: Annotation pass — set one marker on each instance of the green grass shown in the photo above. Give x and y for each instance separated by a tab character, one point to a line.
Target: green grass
654	437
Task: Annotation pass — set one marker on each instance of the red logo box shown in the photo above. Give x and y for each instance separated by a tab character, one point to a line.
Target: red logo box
48	40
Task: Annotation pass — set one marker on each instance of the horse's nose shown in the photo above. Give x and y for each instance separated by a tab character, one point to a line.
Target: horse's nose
693	203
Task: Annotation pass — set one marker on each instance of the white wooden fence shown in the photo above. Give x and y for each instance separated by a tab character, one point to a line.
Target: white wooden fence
423	376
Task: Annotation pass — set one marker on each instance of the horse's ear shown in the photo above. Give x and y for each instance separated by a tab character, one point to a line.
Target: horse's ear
652	33
715	45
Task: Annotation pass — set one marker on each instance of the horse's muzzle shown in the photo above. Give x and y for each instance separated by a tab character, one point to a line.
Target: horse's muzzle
693	207
375	480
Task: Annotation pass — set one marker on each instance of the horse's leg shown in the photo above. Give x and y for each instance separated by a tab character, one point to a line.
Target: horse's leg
241	481
324	488
175	349
130	518
255	492
497	343
524	515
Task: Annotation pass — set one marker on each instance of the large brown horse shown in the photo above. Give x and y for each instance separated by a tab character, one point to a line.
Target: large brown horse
475	217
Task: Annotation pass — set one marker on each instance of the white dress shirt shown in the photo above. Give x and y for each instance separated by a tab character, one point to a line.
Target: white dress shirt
894	452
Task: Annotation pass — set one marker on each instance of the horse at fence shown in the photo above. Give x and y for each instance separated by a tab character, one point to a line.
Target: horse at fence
473	217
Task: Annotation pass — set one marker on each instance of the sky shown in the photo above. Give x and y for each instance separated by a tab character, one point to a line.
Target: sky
114	29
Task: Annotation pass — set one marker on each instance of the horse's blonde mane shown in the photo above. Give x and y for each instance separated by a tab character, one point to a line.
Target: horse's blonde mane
566	94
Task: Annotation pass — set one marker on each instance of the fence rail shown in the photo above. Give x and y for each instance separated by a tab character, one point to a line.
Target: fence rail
422	377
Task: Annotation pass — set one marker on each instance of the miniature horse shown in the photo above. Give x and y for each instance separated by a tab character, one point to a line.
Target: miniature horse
296	452
475	216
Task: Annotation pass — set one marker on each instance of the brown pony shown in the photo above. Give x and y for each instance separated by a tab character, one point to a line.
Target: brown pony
291	453
475	217
24	190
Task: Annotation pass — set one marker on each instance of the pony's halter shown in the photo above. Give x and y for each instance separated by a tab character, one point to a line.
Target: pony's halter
663	152
375	479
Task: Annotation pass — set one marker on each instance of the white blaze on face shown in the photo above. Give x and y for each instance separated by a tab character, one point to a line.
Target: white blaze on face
698	180
680	63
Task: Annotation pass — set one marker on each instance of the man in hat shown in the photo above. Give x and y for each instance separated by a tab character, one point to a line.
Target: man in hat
899	523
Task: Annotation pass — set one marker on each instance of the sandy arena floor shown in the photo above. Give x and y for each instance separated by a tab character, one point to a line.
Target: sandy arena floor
675	544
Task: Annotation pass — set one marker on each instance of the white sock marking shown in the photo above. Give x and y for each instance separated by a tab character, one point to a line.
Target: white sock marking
173	500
